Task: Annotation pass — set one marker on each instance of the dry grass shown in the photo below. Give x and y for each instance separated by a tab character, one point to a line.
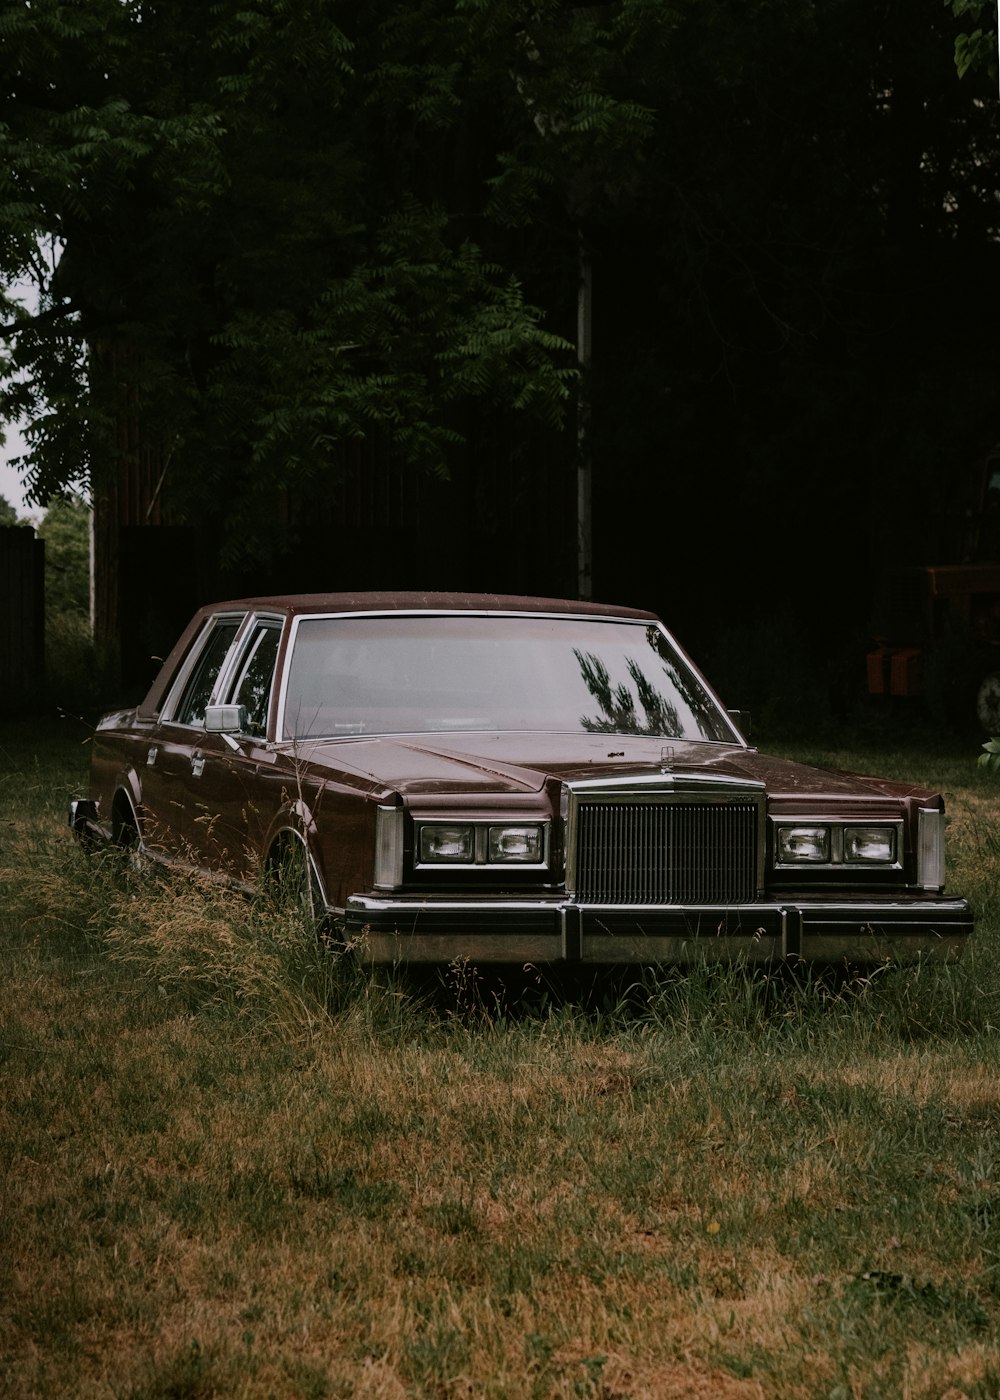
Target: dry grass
227	1172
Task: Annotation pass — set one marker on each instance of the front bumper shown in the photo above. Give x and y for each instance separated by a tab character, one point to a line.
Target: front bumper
558	931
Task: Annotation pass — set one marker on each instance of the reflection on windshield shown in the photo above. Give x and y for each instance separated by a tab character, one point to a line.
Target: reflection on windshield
435	674
618	712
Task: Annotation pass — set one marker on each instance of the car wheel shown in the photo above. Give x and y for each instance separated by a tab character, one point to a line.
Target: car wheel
293	881
988	704
83	833
125	837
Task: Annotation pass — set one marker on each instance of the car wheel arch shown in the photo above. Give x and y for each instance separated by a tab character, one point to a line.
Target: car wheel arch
126	827
293	820
284	842
294	815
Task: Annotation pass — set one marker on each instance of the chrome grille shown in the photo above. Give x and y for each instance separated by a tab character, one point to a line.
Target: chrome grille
676	852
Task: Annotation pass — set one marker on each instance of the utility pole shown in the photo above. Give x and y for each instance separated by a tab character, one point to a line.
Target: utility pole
584	455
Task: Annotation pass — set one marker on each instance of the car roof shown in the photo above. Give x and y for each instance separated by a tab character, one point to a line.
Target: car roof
419	602
299	604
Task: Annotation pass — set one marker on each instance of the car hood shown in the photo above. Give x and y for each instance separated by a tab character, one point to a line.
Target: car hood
524	762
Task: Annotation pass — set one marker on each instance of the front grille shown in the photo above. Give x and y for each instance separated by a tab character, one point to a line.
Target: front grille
635	852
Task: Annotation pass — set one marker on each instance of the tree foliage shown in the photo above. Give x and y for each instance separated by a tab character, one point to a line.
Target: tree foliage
275	226
975	48
65	528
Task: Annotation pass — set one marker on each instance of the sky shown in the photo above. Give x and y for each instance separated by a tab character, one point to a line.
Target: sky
13	445
10	482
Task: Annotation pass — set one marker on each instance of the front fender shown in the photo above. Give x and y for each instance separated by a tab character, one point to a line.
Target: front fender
294	814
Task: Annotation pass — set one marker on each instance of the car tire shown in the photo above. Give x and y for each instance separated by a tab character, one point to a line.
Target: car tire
85	835
126	839
293	881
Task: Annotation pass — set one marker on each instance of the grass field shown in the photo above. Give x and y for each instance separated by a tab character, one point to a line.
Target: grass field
230	1170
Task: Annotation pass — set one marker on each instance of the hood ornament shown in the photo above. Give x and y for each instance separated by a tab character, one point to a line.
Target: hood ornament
667	758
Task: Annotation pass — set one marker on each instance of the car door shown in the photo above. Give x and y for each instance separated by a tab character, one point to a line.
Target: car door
230	789
170	753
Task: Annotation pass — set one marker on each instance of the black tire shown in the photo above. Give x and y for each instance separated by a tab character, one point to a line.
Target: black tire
125	828
293	883
126	839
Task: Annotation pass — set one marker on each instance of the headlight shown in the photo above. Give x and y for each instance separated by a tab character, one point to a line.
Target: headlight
803	843
448	844
480	843
870	845
838	843
516	843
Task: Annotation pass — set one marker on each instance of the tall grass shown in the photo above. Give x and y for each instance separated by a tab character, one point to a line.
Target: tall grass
232	1166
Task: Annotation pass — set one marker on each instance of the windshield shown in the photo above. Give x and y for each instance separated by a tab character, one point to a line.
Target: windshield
431	674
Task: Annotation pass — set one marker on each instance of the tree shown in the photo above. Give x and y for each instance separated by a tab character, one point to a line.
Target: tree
8	515
276	234
65	528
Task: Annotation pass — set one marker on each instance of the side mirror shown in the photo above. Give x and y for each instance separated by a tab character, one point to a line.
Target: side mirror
227	719
741	718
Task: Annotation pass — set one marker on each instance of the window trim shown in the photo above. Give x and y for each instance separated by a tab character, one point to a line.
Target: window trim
175	695
241	653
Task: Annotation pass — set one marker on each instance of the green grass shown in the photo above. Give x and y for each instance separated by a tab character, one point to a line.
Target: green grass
228	1169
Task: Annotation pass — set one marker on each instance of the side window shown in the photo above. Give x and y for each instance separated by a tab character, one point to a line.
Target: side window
254	674
198	689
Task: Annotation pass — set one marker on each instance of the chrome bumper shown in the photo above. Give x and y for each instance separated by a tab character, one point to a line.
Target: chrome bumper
551	931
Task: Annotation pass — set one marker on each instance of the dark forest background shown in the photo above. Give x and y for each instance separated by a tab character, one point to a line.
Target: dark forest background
309	280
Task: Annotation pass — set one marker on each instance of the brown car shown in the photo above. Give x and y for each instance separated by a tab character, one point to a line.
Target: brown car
508	780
